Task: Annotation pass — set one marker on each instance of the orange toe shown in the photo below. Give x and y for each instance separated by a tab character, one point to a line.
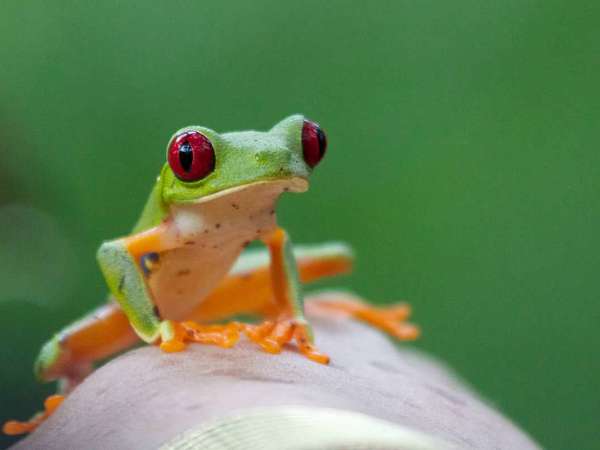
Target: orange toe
177	343
306	347
172	346
390	319
271	336
225	336
14	427
53	402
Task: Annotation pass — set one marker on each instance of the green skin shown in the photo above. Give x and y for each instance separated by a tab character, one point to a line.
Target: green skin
243	159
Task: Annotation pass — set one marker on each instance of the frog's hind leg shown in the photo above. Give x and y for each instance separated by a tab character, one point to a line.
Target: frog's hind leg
69	356
390	319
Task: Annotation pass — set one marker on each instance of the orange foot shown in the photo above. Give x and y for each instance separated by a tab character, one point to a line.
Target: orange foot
391	319
224	336
14	427
272	335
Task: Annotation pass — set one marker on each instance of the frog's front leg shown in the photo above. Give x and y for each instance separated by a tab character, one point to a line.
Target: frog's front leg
288	322
120	262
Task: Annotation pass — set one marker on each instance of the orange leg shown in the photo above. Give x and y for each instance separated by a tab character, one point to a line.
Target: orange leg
99	335
287	323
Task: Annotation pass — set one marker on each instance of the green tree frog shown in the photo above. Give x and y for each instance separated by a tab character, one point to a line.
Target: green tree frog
184	270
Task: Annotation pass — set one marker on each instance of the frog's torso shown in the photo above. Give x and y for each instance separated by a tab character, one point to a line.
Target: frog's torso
214	233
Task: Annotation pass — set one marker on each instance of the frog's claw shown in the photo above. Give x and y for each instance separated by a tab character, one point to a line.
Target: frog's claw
390	319
272	335
14	427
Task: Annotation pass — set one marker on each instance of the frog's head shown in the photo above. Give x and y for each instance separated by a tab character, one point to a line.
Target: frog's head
202	162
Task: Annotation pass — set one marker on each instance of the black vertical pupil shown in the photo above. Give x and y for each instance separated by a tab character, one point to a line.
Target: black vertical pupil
322	140
186	156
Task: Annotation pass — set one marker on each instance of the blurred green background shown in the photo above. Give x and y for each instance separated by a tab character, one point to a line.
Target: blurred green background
463	165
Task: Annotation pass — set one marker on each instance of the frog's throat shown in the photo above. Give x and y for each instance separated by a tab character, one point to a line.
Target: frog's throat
292	184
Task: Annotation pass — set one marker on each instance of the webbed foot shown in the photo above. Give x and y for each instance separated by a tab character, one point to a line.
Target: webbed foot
272	335
225	336
14	427
390	319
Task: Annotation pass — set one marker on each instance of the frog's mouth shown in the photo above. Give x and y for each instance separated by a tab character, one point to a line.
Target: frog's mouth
275	187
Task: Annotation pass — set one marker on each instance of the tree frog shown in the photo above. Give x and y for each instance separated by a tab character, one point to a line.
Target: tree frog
184	270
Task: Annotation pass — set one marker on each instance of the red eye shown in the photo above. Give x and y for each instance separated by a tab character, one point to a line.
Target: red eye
314	143
191	156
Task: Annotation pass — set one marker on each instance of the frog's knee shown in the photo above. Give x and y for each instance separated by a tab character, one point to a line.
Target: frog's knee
110	254
49	360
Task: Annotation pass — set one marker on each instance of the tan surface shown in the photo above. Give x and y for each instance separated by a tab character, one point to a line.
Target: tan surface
146	398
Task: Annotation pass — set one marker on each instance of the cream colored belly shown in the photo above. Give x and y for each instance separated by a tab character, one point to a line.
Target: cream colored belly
211	235
187	275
